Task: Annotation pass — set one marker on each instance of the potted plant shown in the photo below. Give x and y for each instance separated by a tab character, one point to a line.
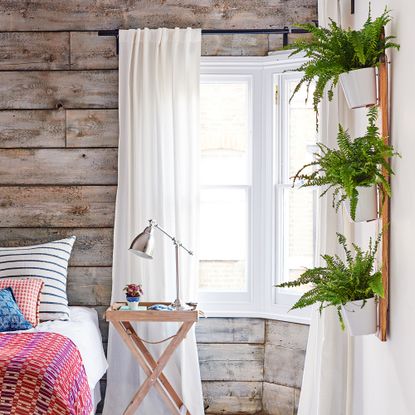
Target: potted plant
352	286
133	293
350	56
353	171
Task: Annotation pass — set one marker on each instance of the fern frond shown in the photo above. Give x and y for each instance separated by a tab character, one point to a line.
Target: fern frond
339	282
355	163
333	50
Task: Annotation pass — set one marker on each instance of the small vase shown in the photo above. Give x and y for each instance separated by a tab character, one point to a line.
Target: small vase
360	316
359	87
133	302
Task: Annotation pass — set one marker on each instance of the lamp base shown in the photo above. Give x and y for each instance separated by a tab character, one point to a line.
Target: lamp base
178	306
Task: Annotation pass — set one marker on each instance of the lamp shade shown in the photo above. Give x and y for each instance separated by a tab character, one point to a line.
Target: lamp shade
143	244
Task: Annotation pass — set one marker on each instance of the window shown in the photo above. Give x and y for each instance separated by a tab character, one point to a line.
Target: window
255	229
226	183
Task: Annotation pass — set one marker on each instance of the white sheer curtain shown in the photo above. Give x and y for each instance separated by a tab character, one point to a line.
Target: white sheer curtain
157	178
326	387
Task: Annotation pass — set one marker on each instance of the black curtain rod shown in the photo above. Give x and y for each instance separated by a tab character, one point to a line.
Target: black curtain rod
285	31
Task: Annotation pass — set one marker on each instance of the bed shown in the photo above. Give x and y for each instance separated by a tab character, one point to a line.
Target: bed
84	337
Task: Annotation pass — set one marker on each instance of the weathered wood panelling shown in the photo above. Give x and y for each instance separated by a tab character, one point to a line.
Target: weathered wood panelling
57	206
92	128
42	50
230	330
283	366
93	247
32	128
235	45
288	335
225	365
57	89
233	397
49	128
231	362
90	51
65	166
279	399
89	286
92	15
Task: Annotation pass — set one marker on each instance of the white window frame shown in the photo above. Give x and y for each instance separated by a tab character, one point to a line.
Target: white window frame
261	300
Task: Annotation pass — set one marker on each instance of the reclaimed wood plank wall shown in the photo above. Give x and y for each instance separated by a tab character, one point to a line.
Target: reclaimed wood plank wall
58	122
251	366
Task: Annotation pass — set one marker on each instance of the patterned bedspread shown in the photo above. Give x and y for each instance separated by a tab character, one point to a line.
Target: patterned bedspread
42	374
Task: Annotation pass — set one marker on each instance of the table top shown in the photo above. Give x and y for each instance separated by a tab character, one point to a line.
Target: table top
114	313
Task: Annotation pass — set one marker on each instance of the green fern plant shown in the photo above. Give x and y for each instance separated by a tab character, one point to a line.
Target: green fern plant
356	163
341	281
332	51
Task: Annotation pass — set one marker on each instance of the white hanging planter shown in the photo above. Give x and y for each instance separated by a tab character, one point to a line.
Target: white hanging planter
360	316
367	205
359	87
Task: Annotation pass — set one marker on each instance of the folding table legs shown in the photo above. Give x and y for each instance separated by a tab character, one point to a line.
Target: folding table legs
152	368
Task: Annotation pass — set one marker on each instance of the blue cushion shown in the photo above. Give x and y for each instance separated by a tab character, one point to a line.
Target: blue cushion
11	318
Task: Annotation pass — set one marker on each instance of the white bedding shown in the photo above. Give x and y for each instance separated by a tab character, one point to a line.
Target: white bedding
83	330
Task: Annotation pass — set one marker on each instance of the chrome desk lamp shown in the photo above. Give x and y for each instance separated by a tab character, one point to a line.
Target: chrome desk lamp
143	246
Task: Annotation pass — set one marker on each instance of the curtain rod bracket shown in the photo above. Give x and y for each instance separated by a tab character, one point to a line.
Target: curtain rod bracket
114	33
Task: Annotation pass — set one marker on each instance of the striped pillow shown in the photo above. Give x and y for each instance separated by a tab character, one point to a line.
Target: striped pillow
48	262
27	295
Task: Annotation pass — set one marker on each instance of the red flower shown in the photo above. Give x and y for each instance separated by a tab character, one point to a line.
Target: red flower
133	290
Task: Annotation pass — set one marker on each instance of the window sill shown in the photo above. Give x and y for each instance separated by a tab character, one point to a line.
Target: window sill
280	313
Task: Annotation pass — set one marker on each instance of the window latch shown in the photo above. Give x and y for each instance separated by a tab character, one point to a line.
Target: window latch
276	92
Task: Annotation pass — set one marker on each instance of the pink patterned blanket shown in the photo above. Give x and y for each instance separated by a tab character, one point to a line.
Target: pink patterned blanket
42	374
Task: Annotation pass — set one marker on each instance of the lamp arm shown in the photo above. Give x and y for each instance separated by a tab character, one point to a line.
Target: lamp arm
175	241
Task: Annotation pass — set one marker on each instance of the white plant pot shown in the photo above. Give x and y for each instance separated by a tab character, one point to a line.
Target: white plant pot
367	205
360	319
359	87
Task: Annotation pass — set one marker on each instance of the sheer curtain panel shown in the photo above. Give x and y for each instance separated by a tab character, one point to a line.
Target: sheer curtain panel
326	385
157	178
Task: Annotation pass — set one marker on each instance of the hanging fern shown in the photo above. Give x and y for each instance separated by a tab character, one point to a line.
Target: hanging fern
332	51
341	281
356	163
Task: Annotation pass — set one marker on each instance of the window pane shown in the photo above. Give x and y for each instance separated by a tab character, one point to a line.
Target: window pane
225	132
223	239
301	128
299	231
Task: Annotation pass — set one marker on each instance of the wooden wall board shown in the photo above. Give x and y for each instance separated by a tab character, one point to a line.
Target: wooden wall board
235	45
231	362
89	286
90	51
283	366
34	51
58	89
230	330
279	399
32	128
232	397
57	206
37	15
58	166
92	128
